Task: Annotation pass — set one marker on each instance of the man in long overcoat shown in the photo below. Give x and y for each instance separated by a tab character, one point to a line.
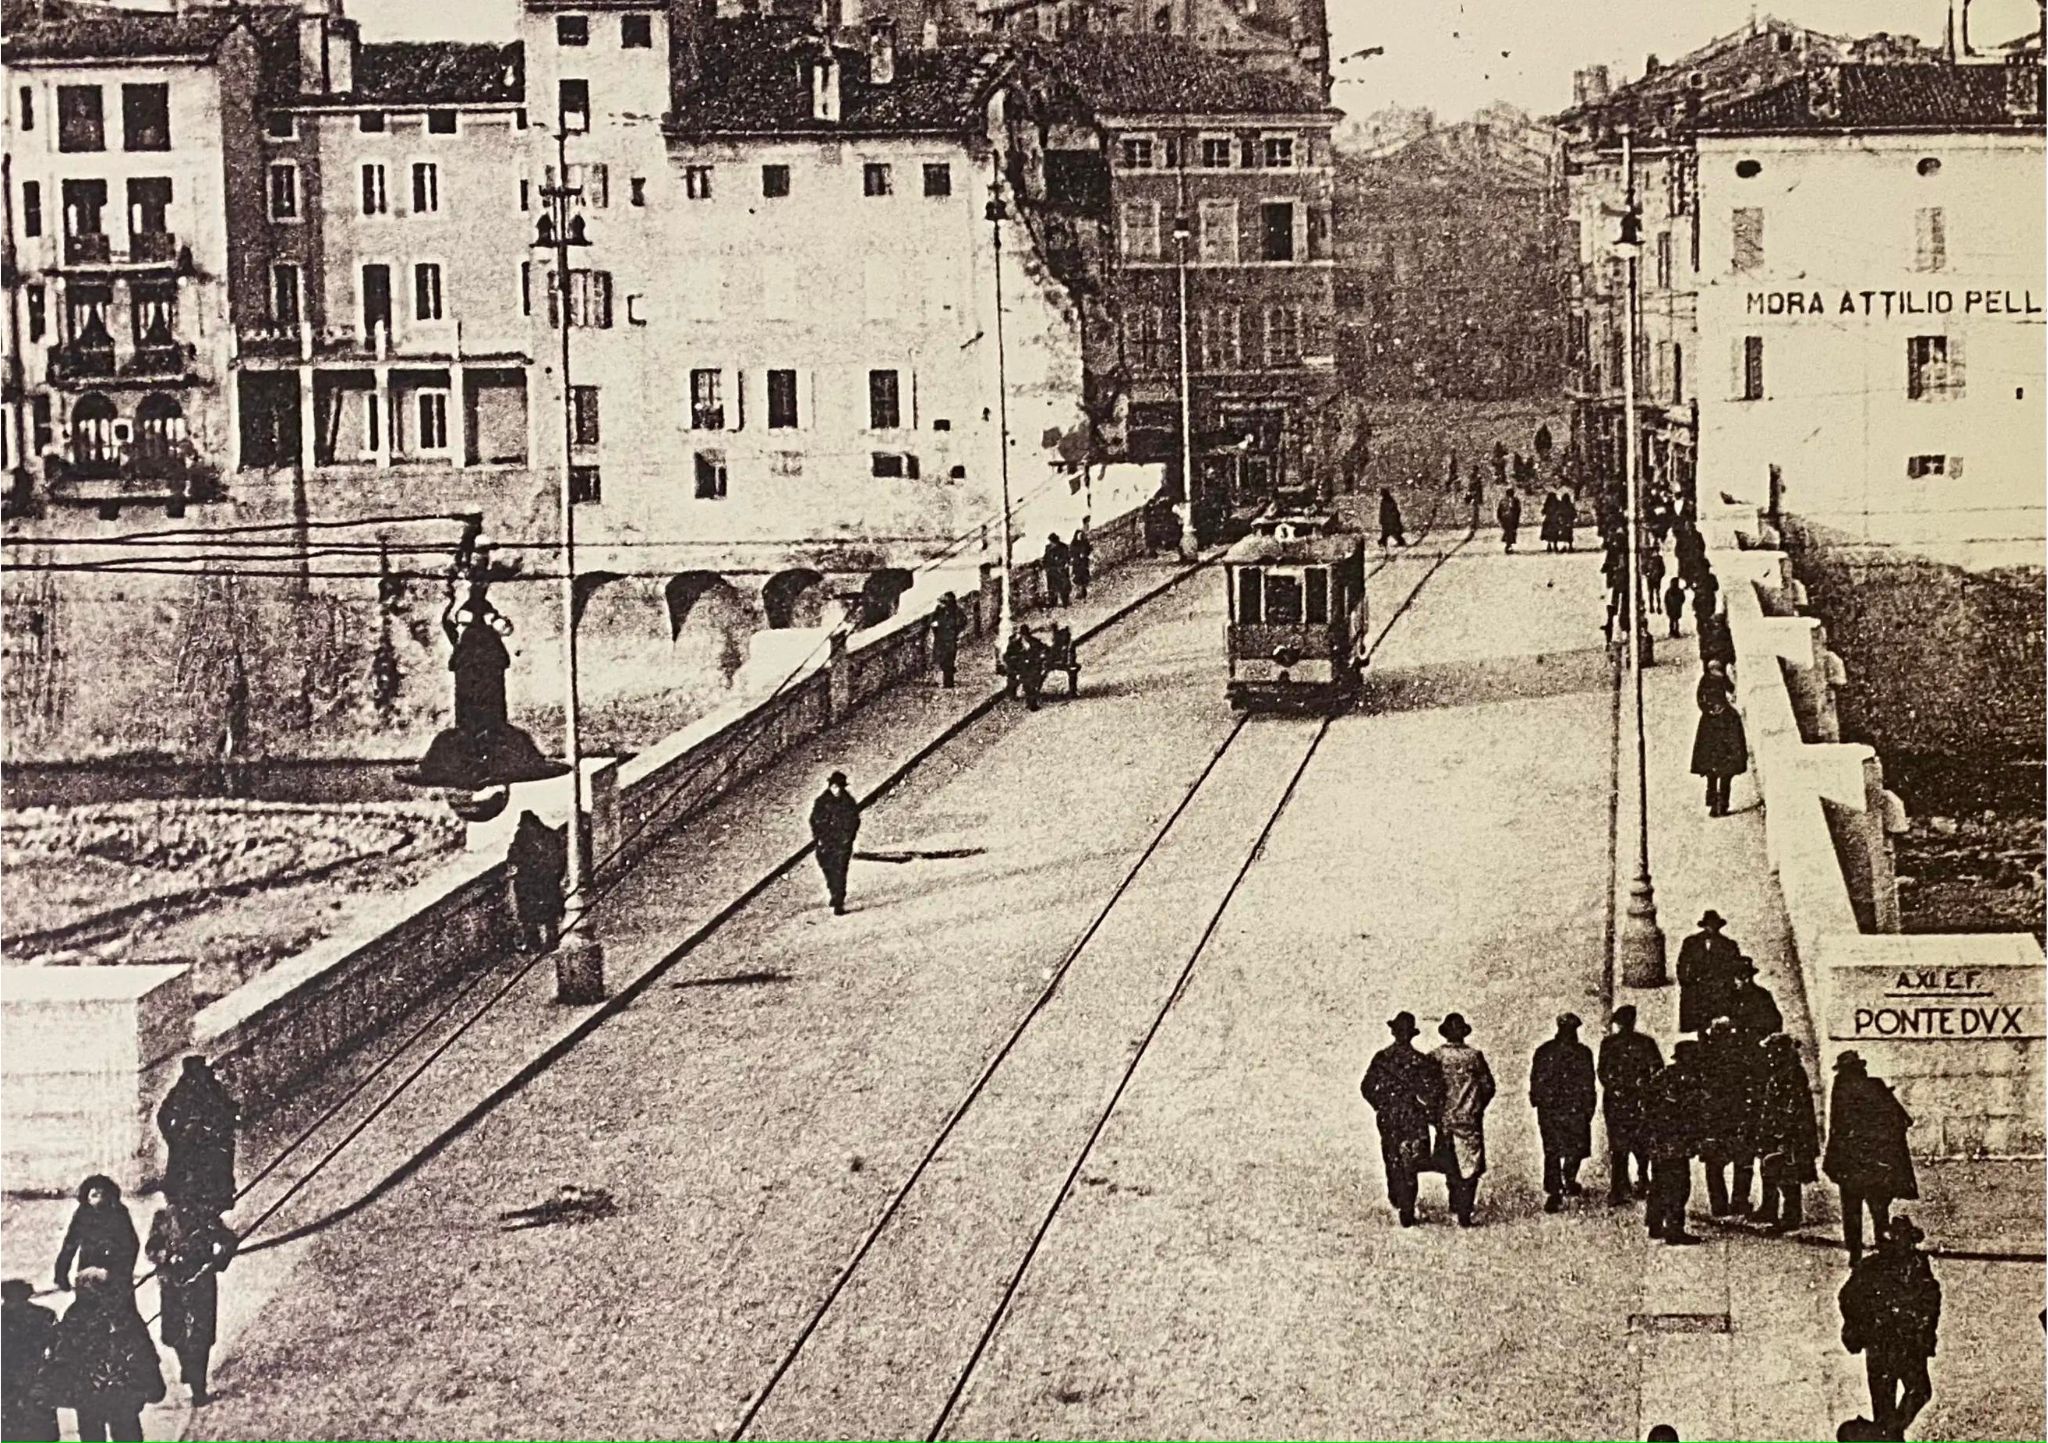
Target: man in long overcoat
1867	1157
835	822
1891	1314
1750	1006
1059	579
1787	1137
1405	1090
1706	971
197	1119
948	622
1629	1062
1461	1124
1671	1131
1561	1090
1509	514
190	1248
1728	1069
537	860
1392	532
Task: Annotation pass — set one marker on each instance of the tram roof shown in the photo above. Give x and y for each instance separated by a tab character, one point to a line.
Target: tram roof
1296	551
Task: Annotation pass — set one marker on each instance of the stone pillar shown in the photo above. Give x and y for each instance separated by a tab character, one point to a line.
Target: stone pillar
838	679
1886	815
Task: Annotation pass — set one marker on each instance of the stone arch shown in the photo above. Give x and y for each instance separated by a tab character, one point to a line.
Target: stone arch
710	621
159	426
882	593
682	594
794	598
92	430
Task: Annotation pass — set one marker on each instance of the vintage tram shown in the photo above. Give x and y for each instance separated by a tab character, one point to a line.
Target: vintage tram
1297	613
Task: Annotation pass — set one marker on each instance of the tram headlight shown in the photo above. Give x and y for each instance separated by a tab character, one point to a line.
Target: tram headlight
1286	656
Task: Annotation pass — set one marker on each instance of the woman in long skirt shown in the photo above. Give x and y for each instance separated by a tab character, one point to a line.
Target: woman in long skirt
1720	747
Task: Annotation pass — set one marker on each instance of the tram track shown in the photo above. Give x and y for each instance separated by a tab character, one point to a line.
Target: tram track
1029	1077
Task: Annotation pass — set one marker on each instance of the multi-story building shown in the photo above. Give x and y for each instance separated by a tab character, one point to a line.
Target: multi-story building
132	176
1452	273
1288	36
1871	303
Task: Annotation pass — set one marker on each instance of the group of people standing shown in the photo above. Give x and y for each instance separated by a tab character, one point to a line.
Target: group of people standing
98	1360
1068	566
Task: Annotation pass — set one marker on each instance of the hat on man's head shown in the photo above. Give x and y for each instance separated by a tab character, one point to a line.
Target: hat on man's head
1402	1025
1849	1062
1454	1027
1711	918
1626	1013
837	779
1569	1021
1745	967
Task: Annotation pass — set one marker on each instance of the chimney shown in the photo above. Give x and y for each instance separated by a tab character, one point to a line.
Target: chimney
312	48
342	37
1651	65
881	52
2023	90
824	85
689	33
1589	86
1824	92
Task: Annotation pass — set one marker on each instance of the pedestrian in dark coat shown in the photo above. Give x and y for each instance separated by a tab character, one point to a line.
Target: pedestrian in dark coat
1706	973
1653	571
1867	1157
1405	1090
1548	532
1059	583
835	822
197	1120
102	1364
1891	1314
1720	747
1561	1090
1461	1125
1500	463
1787	1136
537	860
1629	1063
1706	593
26	1329
949	622
101	1235
1081	560
1674	605
190	1248
1392	533
1024	663
1509	514
1568	519
1728	1068
1750	1007
1671	1132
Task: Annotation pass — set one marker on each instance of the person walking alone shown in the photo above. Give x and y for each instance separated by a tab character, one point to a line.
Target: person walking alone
1629	1063
1509	515
1392	533
537	861
1059	584
1674	605
1706	973
948	624
1891	1314
1786	1135
835	822
1561	1090
1461	1125
1867	1158
190	1248
1081	560
1720	747
1405	1090
197	1120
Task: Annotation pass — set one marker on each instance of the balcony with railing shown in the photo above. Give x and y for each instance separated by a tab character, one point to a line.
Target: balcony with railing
107	475
84	365
91	248
147	250
344	344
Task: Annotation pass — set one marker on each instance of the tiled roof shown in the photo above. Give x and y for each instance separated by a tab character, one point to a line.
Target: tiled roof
756	79
441	72
56	30
1167	75
1731	66
1887	97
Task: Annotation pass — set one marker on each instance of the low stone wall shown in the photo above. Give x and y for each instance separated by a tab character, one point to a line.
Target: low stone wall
1955	1022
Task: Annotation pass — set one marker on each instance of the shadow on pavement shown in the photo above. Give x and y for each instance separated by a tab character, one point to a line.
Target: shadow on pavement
1493	679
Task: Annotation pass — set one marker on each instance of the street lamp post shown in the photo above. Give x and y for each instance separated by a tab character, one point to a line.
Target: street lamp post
998	212
1187	439
1641	940
579	966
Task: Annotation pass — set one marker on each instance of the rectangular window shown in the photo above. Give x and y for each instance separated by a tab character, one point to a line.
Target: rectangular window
583	410
440	122
1141	230
1919	468
375	201
697	182
1934	367
586	486
875	178
31	208
938	178
281	125
885	401
1750	380
636	32
707	403
284	295
526	288
786	463
1217	222
572	30
149	206
710	476
426	188
426	292
38	312
81	124
1283	336
284	191
1277	153
28	108
1663	260
1930	239
1145	339
775	181
376	296
590	299
782	400
1316	608
1222	339
1136	152
370	122
893	466
1251	595
638	190
1748	239
433	416
589	185
145	117
1276	230
574	105
1216	152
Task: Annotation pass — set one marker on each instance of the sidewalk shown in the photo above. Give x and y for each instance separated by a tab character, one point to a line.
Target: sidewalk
646	922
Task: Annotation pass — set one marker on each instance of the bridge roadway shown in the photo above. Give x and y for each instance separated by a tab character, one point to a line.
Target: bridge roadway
1225	1264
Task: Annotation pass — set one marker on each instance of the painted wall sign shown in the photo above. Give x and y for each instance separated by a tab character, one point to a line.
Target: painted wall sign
1891	303
1874	1003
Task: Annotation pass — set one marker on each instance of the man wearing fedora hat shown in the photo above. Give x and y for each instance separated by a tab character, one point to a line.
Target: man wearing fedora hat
1706	973
1629	1063
1749	1005
1405	1091
835	822
1562	1092
1461	1123
1867	1157
1891	1312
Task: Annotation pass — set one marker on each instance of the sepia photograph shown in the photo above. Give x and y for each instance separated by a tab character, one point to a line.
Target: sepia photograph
1023	719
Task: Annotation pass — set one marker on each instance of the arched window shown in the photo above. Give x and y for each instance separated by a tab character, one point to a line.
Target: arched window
92	431
159	426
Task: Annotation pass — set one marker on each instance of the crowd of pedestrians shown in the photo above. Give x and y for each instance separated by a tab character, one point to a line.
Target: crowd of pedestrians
97	1361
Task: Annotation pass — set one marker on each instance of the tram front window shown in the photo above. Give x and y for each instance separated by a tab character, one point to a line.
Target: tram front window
1319	597
1283	601
1249	612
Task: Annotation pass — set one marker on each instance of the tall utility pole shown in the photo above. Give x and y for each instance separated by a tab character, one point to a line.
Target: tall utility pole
1187	428
1641	940
998	211
576	978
